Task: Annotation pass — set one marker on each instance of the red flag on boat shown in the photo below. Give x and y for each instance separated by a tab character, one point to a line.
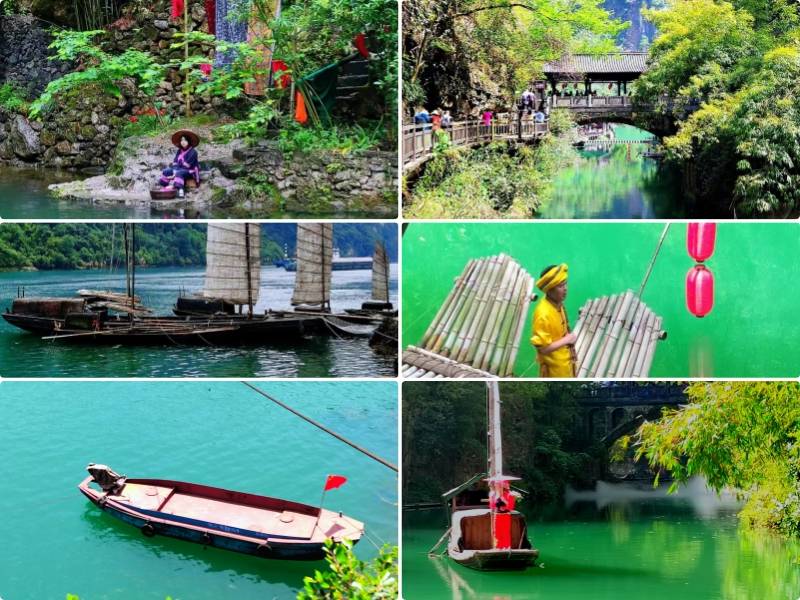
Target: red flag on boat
334	481
177	9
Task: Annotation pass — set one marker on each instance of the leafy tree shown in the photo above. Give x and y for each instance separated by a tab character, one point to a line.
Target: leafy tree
349	578
744	435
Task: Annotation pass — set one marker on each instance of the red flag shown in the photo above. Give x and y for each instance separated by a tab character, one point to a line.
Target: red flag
334	481
361	45
177	8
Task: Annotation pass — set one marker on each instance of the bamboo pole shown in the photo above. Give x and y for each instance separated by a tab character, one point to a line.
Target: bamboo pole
460	318
587	351
591	326
622	340
507	324
612	334
490	330
651	351
633	330
637	343
452	315
597	334
522	317
637	367
481	319
459	281
474	318
517	315
585	315
186	99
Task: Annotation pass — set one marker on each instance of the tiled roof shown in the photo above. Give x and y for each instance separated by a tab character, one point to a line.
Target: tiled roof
622	62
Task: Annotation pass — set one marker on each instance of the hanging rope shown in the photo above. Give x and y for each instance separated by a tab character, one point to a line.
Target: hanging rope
375	457
653	260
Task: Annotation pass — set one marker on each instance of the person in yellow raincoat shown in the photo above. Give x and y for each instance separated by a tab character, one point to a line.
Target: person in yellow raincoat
551	334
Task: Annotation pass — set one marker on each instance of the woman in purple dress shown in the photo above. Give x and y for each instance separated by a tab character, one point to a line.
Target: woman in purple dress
186	164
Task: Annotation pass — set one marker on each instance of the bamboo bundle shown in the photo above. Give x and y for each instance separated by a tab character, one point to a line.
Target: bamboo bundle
616	337
476	331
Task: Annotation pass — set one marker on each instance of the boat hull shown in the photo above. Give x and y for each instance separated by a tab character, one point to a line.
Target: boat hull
145	332
219	535
498	560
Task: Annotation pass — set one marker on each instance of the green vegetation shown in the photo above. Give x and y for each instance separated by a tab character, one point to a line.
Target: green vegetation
743	435
453	46
349	578
497	180
540	441
733	69
13	99
85	246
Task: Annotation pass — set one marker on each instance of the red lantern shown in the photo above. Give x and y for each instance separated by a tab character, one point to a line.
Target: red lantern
699	291
700	240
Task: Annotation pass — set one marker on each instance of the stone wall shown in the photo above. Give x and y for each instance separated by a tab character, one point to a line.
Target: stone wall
147	26
326	182
24	56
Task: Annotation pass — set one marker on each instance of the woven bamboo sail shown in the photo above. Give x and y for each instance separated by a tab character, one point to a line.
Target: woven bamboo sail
312	284
616	337
227	256
477	331
380	274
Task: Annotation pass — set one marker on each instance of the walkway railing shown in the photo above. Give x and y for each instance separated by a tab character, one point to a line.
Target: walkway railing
419	140
590	101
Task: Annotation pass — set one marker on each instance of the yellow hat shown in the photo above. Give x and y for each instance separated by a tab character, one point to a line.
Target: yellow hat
554	277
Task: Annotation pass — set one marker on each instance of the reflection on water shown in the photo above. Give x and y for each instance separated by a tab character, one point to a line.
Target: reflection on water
614	542
25	355
24	195
615	181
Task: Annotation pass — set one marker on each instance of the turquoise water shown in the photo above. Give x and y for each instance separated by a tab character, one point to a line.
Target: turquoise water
751	332
55	542
616	182
608	549
25	355
24	195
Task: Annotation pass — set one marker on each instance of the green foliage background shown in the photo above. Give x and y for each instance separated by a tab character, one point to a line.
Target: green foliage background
84	245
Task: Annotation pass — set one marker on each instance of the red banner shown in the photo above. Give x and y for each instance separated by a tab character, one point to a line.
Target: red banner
334	481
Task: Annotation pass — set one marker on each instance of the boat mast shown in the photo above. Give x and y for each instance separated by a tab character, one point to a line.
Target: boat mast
494	443
249	273
133	267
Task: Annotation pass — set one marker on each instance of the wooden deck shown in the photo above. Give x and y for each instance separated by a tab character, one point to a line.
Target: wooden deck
418	140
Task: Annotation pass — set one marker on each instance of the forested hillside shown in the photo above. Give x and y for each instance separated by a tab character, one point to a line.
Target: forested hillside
86	246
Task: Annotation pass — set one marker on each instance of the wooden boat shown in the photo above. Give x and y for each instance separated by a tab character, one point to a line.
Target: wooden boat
237	521
486	533
378	305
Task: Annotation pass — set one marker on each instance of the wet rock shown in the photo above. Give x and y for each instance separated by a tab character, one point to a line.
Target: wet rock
23	139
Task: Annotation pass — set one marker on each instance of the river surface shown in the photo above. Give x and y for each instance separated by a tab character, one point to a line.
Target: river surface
752	330
630	543
25	355
55	542
615	181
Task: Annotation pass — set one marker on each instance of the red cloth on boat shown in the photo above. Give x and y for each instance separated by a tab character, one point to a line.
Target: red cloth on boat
361	44
211	16
334	481
177	9
284	80
502	530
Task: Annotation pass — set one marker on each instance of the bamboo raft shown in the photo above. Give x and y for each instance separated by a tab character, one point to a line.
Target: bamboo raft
477	330
616	337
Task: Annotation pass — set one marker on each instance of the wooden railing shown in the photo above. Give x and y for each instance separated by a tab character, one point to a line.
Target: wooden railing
590	102
419	140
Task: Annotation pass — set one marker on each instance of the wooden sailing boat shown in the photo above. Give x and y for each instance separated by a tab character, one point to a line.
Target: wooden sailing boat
233	272
378	305
233	277
486	533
